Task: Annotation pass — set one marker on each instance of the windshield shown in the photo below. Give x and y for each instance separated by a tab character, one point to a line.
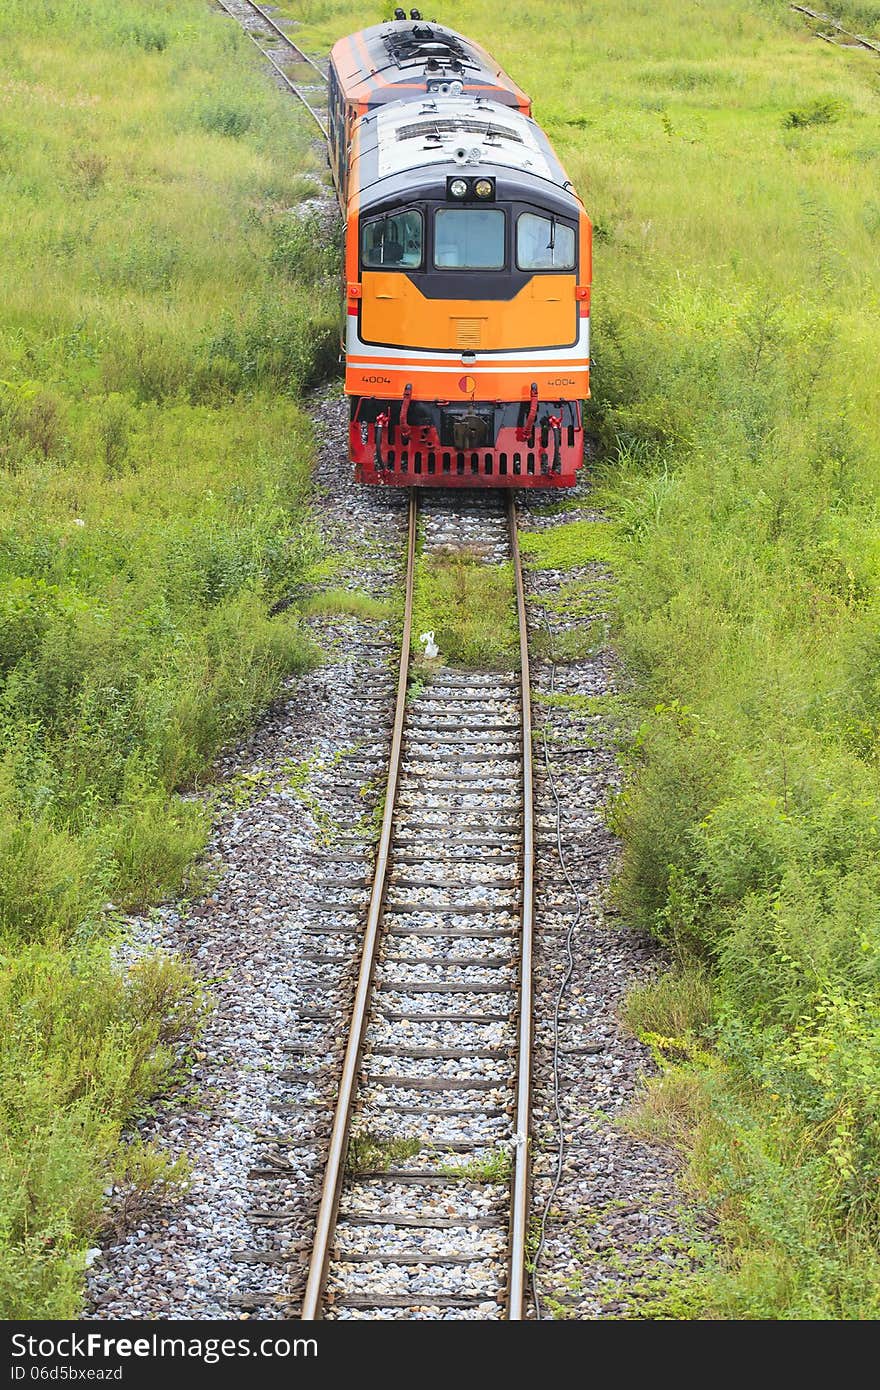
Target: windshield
469	239
394	241
543	243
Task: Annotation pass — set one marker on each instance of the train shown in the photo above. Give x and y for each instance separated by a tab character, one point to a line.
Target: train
467	267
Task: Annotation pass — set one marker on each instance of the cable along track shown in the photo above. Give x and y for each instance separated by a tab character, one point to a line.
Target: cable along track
436	1075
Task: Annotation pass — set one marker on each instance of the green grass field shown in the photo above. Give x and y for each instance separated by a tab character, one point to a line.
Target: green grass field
731	163
161	311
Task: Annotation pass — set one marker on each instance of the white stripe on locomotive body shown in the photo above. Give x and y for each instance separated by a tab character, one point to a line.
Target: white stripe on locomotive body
368	366
438	359
509	140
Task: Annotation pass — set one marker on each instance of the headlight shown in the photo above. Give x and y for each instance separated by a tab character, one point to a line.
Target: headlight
483	188
458	188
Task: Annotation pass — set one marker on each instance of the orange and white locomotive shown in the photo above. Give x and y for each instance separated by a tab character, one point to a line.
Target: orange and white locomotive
467	267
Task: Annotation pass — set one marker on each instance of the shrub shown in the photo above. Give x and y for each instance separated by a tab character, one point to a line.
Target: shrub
222	119
822	111
84	1048
305	248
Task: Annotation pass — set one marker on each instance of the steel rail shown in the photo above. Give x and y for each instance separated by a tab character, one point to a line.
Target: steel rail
334	1172
519	1204
282	34
568	971
315	115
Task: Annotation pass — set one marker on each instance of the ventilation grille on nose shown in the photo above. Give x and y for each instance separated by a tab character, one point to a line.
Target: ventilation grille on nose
455	125
468	332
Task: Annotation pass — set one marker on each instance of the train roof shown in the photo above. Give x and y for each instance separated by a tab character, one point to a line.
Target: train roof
406	58
406	144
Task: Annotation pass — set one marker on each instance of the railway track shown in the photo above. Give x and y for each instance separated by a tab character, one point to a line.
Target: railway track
837	34
396	1181
297	70
424	1203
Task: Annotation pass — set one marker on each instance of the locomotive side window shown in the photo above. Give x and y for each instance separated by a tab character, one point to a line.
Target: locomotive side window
469	239
543	243
393	242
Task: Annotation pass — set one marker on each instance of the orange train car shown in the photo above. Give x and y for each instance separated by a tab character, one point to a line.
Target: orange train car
467	267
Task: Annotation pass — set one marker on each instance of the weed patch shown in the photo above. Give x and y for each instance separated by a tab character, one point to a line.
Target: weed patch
373	1153
675	1005
568	644
352	601
470	608
493	1167
569	546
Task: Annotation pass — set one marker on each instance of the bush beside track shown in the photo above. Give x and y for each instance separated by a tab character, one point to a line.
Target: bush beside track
730	161
161	312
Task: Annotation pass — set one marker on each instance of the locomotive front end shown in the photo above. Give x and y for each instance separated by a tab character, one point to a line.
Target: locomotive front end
468	267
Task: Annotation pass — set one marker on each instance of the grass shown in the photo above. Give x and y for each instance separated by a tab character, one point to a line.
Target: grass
670	1108
730	160
374	1153
569	545
677	1004
163	303
493	1167
347	601
84	1050
470	607
153	465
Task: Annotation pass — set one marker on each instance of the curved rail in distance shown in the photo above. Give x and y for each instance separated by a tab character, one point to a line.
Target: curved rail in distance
334	1174
282	34
303	57
860	41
